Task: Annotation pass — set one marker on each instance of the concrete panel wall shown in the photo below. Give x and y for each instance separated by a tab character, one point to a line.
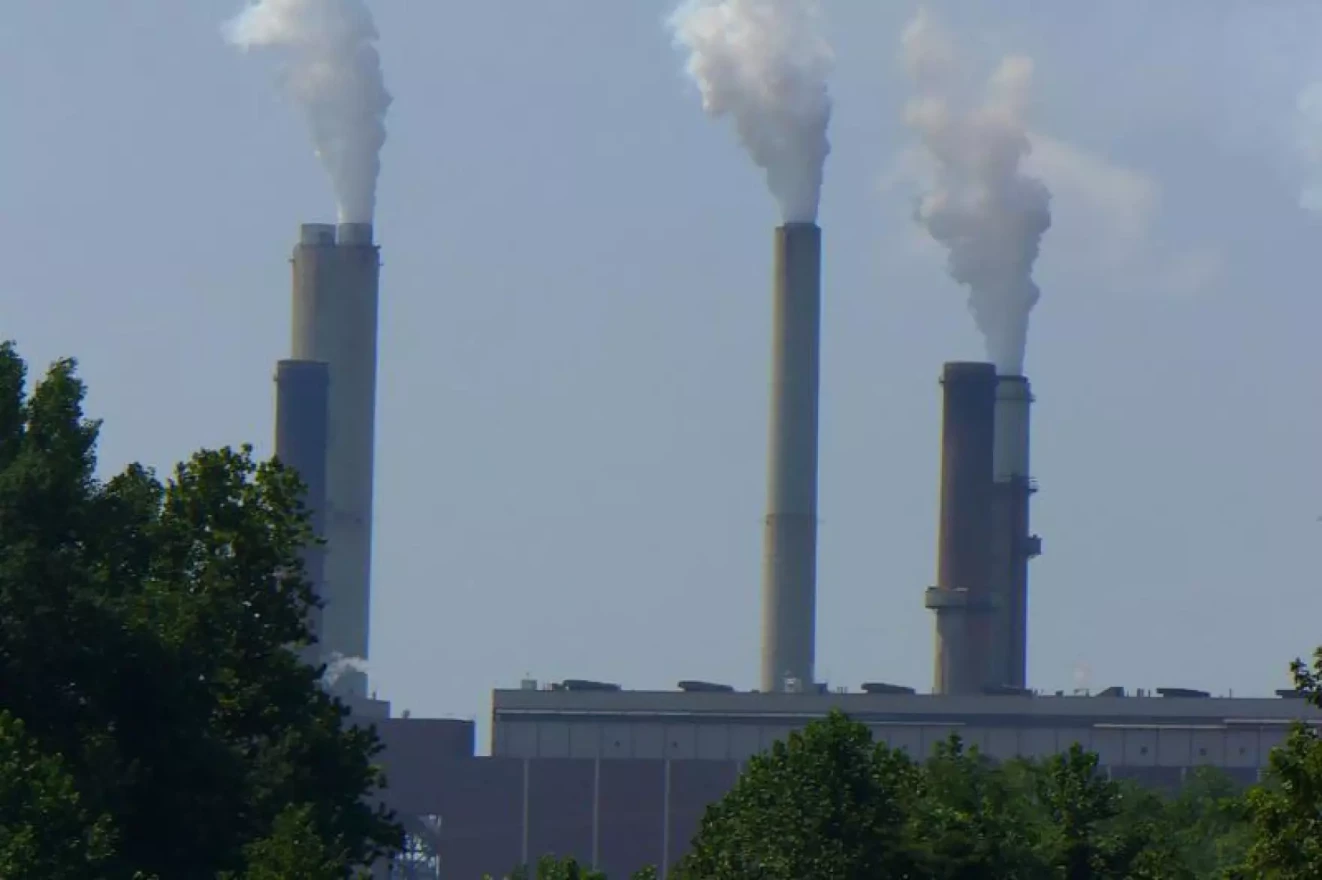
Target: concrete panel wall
1129	745
619	815
561	809
631	828
481	808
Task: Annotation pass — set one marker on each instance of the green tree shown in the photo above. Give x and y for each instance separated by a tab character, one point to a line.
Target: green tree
295	850
147	637
1286	812
1206	823
551	868
829	802
1081	838
44	829
972	821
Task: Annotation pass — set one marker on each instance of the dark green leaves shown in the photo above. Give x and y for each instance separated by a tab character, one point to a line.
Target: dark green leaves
148	637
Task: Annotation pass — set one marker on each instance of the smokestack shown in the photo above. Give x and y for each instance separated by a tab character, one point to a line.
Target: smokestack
961	599
789	566
336	275
1012	544
301	422
983	209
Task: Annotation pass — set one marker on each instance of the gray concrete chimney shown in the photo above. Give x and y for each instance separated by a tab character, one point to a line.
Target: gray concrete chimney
789	564
302	403
336	277
961	599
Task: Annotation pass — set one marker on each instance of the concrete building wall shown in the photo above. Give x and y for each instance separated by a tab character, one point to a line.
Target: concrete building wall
1137	745
620	780
615	815
627	707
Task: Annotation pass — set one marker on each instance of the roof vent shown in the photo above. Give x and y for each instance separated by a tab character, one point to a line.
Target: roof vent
528	684
1004	690
582	684
881	687
1183	692
1289	694
1115	691
704	687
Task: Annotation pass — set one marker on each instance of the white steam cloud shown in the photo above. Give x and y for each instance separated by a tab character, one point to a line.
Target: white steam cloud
335	74
337	665
1308	123
764	63
988	214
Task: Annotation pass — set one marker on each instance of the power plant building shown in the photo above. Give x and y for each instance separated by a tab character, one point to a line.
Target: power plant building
621	779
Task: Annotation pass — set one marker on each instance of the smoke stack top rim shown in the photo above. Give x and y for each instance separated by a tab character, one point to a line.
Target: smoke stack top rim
800	224
309	366
964	371
317	234
354	234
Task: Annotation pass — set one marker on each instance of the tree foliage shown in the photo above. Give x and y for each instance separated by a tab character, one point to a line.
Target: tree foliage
45	830
828	802
148	632
831	803
1286	812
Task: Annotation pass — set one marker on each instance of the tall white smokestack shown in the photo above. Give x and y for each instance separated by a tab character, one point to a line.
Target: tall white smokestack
764	64
789	564
983	209
335	293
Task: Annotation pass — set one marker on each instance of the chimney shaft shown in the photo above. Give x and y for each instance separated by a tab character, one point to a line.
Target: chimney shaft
335	321
1012	544
961	599
301	421
789	565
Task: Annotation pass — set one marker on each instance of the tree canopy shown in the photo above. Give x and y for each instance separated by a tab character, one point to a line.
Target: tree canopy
156	718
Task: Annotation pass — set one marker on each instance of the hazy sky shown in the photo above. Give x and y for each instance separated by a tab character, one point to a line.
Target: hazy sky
575	340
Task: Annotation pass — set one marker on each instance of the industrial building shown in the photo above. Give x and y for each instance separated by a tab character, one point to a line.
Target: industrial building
620	779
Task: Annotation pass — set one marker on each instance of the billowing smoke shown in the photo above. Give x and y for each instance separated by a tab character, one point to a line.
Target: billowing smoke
988	214
337	665
764	63
334	72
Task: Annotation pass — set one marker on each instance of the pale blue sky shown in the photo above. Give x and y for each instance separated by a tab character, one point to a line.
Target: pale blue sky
575	341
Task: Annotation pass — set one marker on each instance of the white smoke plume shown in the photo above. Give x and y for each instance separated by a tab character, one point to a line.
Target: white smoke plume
764	63
334	72
988	214
338	664
1308	134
